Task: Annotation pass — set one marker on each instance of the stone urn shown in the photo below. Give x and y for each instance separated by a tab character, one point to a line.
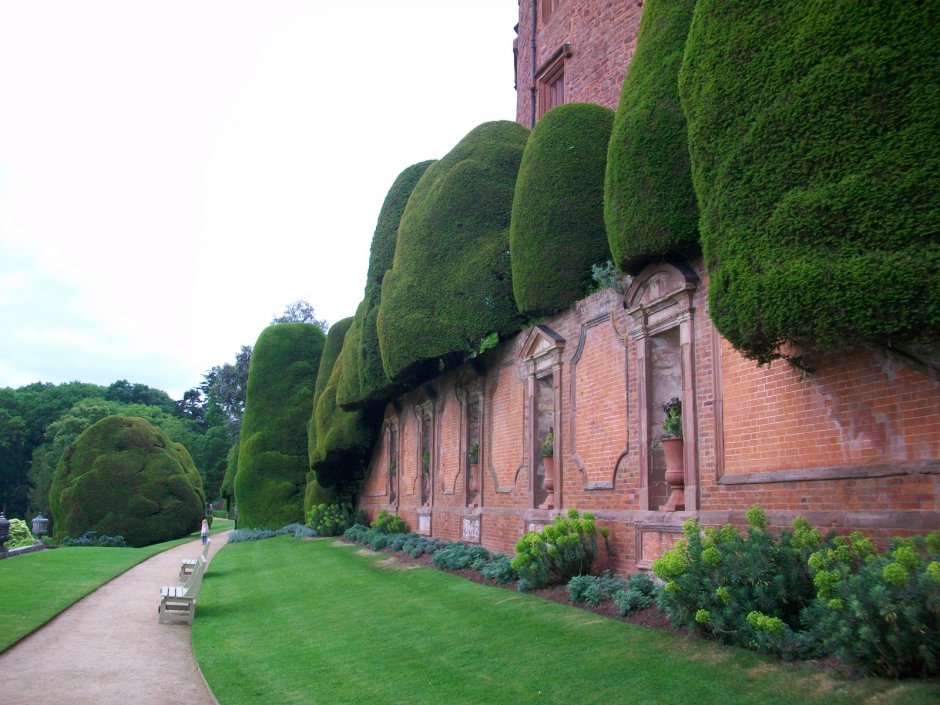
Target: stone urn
548	462
473	485
673	449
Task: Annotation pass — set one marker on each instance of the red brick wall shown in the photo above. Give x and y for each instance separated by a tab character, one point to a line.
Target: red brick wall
856	408
602	35
856	445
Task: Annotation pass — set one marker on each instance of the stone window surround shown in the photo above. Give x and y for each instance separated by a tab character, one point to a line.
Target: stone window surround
661	298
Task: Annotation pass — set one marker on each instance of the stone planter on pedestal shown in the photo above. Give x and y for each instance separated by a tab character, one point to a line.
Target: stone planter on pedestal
673	449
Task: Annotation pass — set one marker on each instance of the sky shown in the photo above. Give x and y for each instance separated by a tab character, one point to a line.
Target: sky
174	174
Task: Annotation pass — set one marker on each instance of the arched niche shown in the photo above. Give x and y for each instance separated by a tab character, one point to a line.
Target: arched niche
660	305
541	352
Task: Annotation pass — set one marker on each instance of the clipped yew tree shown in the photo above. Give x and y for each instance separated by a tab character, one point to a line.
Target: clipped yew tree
272	454
450	285
124	477
813	138
228	480
374	384
649	206
557	229
339	441
348	386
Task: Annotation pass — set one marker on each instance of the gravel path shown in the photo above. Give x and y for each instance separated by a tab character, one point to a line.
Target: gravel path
110	648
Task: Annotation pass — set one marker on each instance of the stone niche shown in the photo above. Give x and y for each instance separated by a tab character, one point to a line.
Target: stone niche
659	303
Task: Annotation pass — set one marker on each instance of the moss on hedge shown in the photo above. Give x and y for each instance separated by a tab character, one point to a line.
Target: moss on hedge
340	441
272	457
557	230
813	138
374	384
650	207
124	477
450	283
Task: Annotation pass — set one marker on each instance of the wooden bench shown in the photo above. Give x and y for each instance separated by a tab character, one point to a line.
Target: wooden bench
188	564
178	602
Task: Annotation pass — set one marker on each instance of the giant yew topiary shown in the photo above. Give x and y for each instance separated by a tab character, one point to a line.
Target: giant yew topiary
557	230
450	283
272	455
124	477
340	441
813	140
374	384
650	207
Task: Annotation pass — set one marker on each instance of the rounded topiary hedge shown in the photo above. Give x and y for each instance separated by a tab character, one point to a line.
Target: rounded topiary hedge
348	386
450	283
374	384
272	454
332	349
340	441
813	140
650	207
557	231
124	477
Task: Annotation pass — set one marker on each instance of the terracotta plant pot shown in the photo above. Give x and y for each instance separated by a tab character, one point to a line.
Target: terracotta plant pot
673	449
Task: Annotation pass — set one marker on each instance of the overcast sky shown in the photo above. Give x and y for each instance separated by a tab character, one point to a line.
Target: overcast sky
173	174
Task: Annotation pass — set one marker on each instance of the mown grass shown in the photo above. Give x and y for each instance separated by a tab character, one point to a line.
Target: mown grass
36	587
309	622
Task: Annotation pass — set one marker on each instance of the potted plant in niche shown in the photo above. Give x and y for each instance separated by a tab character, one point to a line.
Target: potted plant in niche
473	474
547	451
673	449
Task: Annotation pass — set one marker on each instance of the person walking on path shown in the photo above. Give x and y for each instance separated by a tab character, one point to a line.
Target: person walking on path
204	531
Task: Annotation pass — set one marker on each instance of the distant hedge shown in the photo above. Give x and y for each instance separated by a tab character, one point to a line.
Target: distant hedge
813	140
450	283
124	477
272	457
557	229
374	384
650	207
340	441
231	469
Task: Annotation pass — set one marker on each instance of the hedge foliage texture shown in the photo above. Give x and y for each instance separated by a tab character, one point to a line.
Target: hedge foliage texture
340	441
650	207
557	229
272	456
124	477
813	139
374	384
450	283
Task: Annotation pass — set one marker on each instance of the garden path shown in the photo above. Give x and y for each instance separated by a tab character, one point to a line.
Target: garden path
110	648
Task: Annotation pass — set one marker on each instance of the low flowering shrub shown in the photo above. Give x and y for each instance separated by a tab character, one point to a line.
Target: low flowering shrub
20	535
559	552
298	531
93	538
459	555
881	612
389	523
594	589
332	519
499	569
715	578
639	593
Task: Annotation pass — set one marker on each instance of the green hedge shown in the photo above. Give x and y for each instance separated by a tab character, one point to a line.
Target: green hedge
272	457
374	383
450	283
349	387
124	477
813	140
340	441
332	349
231	469
557	230
650	207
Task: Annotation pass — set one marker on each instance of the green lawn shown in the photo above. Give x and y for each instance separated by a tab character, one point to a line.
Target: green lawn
35	587
287	621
